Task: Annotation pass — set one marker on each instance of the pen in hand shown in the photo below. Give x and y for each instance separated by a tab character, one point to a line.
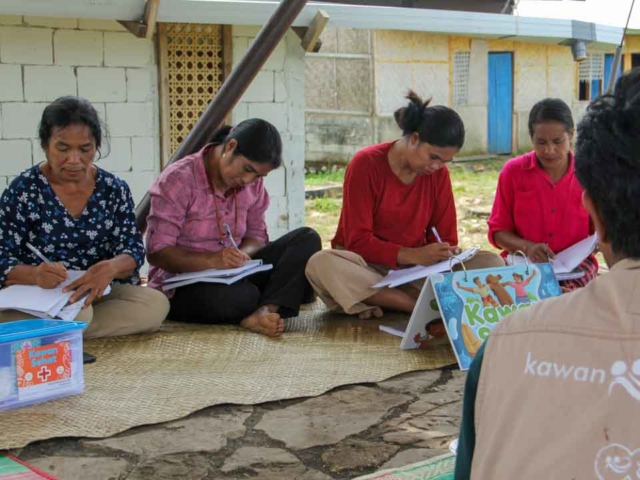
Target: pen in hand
228	231
48	274
236	257
437	235
452	250
38	253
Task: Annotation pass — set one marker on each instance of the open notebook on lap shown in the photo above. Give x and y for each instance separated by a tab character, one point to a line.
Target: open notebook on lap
395	278
566	261
44	302
213	275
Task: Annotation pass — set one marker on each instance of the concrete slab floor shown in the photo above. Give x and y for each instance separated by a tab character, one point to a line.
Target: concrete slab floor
348	432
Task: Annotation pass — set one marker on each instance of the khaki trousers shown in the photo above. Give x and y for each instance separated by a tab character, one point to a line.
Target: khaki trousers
127	310
343	279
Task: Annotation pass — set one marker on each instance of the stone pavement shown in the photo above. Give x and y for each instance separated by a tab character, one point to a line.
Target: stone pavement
350	431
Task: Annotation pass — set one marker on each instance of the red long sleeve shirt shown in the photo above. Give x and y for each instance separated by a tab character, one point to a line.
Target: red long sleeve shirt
380	214
530	205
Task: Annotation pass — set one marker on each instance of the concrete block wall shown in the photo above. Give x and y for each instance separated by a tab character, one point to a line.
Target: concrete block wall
277	95
334	139
42	59
400	60
410	60
424	62
540	71
474	114
339	97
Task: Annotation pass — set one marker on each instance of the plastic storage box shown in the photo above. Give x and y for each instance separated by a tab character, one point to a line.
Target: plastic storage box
39	360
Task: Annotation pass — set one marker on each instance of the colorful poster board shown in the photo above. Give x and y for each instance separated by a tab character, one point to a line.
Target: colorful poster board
471	303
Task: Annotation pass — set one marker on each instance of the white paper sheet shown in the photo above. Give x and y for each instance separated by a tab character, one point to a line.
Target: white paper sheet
44	302
396	278
567	260
214	272
227	280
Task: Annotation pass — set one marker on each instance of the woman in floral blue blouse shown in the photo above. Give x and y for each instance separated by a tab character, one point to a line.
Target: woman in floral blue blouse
81	218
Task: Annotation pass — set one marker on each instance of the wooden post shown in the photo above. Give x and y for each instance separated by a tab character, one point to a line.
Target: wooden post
150	16
163	92
227	58
312	34
145	27
233	87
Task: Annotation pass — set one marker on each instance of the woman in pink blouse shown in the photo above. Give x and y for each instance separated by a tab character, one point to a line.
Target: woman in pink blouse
193	199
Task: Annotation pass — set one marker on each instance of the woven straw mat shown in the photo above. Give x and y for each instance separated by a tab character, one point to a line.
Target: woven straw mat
147	379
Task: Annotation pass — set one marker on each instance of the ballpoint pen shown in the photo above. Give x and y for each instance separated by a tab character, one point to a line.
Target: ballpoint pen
38	253
233	242
437	235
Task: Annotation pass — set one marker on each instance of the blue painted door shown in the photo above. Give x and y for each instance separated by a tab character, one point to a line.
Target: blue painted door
608	64
500	102
595	89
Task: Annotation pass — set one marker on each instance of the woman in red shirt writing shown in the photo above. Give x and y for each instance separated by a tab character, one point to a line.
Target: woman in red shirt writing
394	193
538	206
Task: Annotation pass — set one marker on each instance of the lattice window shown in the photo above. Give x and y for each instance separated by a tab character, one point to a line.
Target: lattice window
591	76
461	61
193	69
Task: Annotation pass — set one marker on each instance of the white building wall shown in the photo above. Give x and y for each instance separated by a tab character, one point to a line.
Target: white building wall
406	60
42	59
475	113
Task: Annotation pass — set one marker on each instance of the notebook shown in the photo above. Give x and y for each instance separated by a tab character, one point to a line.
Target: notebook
567	260
396	278
213	275
44	302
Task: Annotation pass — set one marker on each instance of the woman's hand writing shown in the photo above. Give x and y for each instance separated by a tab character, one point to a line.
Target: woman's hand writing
50	275
427	255
231	258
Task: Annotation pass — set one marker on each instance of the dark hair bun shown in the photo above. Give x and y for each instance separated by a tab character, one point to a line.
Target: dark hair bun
437	125
409	118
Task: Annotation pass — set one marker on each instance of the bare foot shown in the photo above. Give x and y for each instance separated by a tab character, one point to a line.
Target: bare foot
264	322
375	313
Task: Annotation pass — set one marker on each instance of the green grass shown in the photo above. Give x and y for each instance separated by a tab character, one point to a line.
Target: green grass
314	179
474	186
464	175
323	215
325	205
475	177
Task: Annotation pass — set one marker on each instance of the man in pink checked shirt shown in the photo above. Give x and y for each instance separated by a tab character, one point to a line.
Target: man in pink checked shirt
191	203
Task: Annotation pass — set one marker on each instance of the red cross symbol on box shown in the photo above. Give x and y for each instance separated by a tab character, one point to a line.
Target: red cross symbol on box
44	373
